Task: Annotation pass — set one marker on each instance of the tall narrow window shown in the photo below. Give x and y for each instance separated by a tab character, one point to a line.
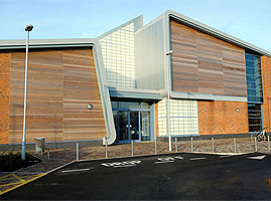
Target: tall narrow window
254	117
254	91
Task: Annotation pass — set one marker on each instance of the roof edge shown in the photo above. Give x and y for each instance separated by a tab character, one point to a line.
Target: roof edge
216	33
43	43
139	18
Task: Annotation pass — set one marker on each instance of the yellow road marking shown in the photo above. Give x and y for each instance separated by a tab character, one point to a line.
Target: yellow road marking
10	184
23	182
17	177
4	177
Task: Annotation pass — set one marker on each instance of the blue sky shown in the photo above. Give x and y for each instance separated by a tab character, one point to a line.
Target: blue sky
249	20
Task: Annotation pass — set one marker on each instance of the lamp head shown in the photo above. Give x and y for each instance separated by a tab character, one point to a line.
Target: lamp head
170	52
29	27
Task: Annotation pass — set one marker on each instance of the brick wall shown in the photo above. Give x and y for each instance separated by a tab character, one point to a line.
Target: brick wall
266	72
220	117
4	96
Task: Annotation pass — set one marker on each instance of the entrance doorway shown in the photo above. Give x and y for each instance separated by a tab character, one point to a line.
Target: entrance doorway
132	124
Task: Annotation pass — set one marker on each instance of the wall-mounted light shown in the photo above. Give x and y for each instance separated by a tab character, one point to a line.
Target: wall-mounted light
90	106
170	52
237	110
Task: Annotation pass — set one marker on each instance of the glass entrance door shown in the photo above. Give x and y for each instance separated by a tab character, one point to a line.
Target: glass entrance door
123	126
145	125
132	125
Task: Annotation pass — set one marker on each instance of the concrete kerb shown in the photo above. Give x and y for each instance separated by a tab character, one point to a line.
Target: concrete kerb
62	166
223	154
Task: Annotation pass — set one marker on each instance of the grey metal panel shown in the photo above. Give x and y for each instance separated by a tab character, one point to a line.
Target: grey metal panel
149	56
153	122
199	96
137	94
105	97
46	43
230	98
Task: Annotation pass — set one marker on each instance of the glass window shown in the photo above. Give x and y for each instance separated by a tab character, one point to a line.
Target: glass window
129	105
114	104
254	117
254	78
254	91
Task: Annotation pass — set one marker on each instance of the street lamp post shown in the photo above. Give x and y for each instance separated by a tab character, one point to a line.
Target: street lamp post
168	54
28	28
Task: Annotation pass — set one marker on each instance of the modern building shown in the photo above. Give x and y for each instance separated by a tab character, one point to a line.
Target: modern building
172	77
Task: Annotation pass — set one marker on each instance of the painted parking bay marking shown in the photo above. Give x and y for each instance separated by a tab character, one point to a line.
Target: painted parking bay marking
257	157
122	164
168	159
195	159
76	170
225	156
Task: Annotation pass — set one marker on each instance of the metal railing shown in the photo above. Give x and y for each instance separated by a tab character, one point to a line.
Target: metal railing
212	146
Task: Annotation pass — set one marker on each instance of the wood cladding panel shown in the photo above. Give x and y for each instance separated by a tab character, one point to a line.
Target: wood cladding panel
61	82
44	96
204	64
81	89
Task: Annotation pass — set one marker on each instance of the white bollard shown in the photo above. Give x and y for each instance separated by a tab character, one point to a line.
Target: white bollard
192	145
155	145
256	145
106	149
132	144
77	151
213	145
268	142
235	145
176	144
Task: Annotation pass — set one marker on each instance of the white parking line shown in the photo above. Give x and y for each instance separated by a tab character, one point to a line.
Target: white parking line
225	156
78	170
257	157
161	162
195	159
124	166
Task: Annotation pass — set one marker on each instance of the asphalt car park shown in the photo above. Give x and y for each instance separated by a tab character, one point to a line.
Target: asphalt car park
179	176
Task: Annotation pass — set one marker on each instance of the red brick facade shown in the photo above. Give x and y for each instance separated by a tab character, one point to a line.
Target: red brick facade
4	96
221	117
266	73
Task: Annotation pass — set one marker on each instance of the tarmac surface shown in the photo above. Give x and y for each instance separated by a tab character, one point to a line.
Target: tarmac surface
60	157
181	176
